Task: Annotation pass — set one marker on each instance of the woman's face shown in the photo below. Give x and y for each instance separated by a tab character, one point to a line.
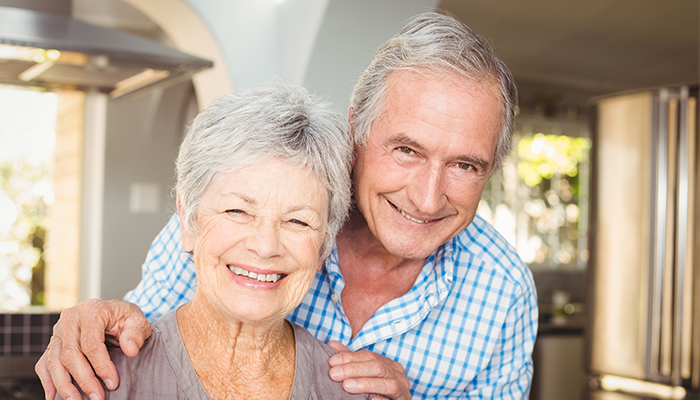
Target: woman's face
258	238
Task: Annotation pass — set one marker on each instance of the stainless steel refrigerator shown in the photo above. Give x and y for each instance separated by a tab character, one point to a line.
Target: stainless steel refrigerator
643	338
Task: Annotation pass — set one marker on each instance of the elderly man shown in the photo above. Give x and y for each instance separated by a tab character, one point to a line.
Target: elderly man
421	296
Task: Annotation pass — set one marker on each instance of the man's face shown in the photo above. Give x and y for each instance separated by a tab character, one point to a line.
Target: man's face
419	179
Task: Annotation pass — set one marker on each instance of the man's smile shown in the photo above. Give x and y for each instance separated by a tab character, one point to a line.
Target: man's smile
408	217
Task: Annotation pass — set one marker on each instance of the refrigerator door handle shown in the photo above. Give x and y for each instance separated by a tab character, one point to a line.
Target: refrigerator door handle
666	359
660	170
680	348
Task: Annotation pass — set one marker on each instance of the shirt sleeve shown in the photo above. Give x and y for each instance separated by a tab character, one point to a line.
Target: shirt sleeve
509	373
168	276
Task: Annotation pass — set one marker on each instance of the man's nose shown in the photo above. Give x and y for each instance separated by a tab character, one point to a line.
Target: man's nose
264	239
427	189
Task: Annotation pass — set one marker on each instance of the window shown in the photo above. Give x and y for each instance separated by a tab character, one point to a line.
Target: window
27	137
539	201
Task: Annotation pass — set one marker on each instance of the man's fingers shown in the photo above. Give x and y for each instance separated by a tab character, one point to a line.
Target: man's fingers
92	344
348	368
100	361
337	346
45	377
134	334
385	387
60	377
346	356
126	323
369	372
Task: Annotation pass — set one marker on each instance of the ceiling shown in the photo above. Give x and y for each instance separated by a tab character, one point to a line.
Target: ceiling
565	50
593	46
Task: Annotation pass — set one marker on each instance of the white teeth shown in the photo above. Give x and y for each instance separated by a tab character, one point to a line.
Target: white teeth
252	275
411	218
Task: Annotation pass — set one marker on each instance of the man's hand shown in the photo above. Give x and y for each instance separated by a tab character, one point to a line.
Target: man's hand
367	372
78	346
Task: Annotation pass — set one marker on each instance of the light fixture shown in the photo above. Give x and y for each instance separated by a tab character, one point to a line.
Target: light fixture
56	51
143	79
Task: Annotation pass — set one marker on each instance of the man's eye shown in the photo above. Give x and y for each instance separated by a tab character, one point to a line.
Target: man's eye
406	150
298	222
466	167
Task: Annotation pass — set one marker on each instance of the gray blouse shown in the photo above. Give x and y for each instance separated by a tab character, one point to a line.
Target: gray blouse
162	370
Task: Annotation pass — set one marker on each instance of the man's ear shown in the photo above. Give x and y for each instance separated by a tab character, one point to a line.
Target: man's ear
187	239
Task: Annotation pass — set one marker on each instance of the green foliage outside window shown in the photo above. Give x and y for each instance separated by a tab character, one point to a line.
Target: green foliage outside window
24	191
540	200
27	137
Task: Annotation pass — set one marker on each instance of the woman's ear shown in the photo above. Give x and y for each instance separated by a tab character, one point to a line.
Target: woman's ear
187	239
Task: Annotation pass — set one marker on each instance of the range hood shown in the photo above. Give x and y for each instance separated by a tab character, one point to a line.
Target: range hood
56	51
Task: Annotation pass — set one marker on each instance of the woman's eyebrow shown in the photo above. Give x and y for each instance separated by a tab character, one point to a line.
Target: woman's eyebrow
241	196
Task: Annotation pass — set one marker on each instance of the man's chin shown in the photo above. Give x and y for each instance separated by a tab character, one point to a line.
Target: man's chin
417	246
411	250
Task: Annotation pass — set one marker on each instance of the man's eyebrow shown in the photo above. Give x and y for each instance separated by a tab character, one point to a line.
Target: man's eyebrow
403	140
480	163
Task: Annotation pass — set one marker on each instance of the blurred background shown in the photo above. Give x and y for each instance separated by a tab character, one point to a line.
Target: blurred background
89	134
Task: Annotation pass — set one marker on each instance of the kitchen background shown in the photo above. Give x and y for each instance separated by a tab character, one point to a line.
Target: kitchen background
98	180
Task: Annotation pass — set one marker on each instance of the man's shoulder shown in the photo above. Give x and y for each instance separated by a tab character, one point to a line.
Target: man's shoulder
480	243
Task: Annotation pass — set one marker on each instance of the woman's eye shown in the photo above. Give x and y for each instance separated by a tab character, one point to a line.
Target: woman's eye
298	222
235	212
406	150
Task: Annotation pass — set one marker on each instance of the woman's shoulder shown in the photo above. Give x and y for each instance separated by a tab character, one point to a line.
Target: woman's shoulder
311	378
143	376
150	374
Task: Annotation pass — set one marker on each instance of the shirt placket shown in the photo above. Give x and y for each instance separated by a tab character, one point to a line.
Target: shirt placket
408	311
399	315
341	331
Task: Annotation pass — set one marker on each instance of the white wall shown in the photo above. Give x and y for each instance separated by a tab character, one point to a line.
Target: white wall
142	139
323	44
349	35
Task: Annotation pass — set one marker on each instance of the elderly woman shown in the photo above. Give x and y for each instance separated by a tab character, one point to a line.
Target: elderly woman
262	188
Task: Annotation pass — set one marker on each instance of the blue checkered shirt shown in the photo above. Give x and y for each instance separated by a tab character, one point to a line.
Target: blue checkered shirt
465	330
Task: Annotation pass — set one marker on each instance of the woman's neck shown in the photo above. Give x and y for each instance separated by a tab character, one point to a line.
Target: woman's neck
234	359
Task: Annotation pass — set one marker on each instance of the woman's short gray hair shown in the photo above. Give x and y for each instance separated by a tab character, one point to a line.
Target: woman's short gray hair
434	42
253	126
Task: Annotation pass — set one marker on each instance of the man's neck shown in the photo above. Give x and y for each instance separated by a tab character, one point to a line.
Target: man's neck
373	276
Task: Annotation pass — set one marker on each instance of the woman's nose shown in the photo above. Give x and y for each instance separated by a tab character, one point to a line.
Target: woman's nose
264	240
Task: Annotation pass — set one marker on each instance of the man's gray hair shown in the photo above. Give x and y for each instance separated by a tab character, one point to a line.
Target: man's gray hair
434	42
256	125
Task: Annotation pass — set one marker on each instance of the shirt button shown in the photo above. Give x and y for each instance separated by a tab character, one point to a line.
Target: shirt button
334	297
399	324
